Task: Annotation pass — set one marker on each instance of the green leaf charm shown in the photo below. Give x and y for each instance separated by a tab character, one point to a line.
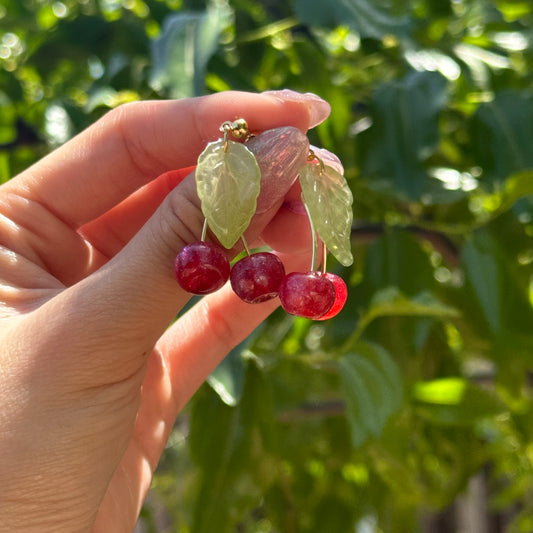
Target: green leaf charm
329	200
228	184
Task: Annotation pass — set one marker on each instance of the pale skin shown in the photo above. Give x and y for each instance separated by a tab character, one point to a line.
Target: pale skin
91	375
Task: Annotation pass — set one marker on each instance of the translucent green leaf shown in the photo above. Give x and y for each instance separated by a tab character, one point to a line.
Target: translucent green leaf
228	184
329	200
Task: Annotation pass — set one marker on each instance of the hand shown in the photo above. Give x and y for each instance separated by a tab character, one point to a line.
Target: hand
91	375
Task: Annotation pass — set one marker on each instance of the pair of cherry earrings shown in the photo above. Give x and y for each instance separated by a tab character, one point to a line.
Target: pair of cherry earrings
228	184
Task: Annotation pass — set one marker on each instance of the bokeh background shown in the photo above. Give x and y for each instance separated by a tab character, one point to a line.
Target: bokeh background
412	410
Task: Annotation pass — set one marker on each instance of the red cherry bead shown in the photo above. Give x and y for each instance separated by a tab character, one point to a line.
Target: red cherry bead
256	278
202	268
307	294
341	295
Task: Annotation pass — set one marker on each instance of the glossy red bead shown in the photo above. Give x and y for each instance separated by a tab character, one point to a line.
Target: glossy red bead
256	278
307	294
341	295
202	268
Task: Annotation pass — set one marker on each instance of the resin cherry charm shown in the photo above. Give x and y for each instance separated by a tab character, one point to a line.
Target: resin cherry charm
341	295
256	278
307	294
201	268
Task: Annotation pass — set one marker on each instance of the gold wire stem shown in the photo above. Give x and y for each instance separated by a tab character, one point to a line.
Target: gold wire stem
204	230
324	257
245	244
313	157
238	128
225	129
313	237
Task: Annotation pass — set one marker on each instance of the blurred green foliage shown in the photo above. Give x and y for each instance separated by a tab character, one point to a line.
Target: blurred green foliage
382	415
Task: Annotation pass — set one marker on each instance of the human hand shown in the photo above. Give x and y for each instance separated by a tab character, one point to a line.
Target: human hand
91	376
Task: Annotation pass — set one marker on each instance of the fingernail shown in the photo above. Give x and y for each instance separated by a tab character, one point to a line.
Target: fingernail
329	158
280	153
318	108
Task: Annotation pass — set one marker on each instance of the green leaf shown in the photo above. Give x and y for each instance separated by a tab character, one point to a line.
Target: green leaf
8	131
455	401
329	200
398	259
4	167
502	136
444	391
391	302
226	444
404	134
372	388
227	380
386	365
181	52
215	430
228	184
499	295
515	187
362	16
484	274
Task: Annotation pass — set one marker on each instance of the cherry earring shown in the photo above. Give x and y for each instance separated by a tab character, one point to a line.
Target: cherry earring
228	182
328	200
256	278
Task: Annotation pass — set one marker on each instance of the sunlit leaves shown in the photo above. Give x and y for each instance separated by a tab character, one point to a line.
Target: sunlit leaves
329	200
7	119
404	134
372	388
455	401
181	52
363	16
498	294
319	429
228	184
502	133
390	302
227	380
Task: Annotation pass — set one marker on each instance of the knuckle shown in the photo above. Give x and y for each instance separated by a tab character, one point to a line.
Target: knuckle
136	135
177	223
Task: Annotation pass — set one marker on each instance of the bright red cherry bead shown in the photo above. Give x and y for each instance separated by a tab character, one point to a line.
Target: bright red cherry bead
202	268
256	278
341	295
307	294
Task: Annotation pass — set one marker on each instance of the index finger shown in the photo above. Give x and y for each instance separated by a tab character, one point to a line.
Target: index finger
135	143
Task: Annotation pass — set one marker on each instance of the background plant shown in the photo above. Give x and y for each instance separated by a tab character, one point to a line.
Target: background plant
411	410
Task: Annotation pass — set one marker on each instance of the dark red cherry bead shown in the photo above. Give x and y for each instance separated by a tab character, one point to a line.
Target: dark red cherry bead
202	268
307	294
256	278
341	295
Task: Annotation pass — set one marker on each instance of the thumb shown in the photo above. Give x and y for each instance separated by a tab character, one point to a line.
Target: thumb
120	311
